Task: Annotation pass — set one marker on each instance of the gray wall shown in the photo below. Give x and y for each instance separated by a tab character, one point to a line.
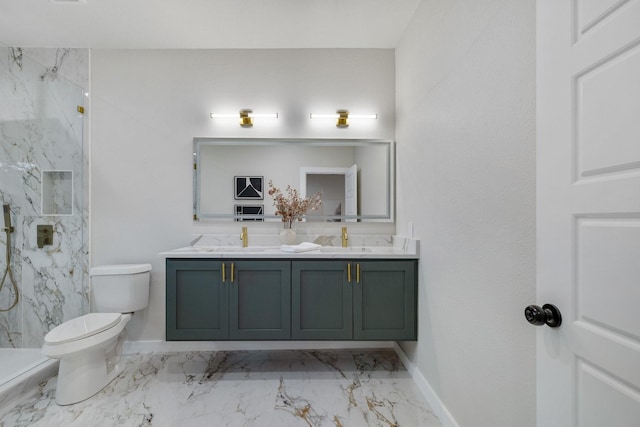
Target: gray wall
465	131
148	105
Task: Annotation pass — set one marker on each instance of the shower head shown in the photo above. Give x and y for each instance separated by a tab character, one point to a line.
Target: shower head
7	218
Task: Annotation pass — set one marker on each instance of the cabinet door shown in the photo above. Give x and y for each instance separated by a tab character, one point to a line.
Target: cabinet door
260	305
197	300
321	300
384	306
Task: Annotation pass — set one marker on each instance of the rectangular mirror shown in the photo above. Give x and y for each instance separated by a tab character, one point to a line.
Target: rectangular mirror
231	177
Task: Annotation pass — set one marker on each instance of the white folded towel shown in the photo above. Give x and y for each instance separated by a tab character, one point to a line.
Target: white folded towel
302	247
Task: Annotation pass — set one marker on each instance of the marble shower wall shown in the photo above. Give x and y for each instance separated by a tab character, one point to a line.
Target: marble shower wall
42	130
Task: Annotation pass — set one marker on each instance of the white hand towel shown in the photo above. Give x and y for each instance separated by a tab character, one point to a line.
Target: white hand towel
302	247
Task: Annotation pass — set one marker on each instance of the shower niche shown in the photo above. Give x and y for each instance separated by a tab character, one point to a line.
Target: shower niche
57	192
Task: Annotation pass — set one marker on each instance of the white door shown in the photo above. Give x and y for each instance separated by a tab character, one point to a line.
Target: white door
588	110
350	201
351	193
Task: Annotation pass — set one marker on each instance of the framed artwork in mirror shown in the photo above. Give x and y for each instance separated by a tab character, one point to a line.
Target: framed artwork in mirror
248	187
249	212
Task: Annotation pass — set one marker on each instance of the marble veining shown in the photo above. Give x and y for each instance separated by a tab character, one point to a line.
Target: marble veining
23	370
268	246
336	388
41	130
329	238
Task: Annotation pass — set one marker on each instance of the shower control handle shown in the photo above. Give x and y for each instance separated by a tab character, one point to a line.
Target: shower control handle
7	218
44	235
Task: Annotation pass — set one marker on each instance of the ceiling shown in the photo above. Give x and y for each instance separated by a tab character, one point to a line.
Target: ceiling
204	24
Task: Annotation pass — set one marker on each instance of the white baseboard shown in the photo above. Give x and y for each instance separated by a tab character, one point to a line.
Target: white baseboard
131	347
427	391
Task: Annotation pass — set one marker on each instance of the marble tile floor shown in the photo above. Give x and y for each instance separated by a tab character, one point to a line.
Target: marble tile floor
336	388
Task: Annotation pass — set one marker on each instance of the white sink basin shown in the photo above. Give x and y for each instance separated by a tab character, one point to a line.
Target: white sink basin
226	249
194	249
229	249
338	249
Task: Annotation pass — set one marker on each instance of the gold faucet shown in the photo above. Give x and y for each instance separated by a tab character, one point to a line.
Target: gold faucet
345	237
244	236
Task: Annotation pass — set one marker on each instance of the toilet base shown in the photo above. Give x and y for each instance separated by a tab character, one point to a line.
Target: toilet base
84	374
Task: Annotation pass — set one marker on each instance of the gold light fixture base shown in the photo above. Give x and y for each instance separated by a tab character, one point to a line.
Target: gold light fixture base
343	119
245	120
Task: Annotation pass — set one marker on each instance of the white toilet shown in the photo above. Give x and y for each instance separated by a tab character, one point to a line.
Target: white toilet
89	346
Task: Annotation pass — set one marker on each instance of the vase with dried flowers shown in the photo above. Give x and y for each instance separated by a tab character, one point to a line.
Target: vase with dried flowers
291	207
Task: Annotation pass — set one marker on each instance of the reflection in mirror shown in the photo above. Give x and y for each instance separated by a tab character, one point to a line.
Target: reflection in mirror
339	189
231	175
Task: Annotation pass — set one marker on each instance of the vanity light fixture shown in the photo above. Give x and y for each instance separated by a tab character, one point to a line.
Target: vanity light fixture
342	117
246	116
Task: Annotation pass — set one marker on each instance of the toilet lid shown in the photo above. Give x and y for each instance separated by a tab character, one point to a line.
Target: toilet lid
82	327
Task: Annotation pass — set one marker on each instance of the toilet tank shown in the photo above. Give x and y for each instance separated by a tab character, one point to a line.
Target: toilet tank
122	288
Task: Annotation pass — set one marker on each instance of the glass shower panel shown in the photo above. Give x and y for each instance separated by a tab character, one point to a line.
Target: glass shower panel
42	178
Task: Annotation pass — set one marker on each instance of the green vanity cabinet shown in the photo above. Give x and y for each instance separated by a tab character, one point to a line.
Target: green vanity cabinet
210	299
197	300
384	300
283	299
359	300
260	300
321	301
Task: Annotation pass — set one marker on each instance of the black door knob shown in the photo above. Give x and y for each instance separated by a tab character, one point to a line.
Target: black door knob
548	315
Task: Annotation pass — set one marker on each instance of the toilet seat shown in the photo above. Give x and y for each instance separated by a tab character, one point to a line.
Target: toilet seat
82	327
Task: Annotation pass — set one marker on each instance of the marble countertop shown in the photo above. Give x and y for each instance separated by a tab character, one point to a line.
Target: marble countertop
391	247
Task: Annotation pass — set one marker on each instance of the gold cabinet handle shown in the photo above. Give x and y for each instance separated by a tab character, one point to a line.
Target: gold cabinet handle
358	273
224	279
232	272
349	272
